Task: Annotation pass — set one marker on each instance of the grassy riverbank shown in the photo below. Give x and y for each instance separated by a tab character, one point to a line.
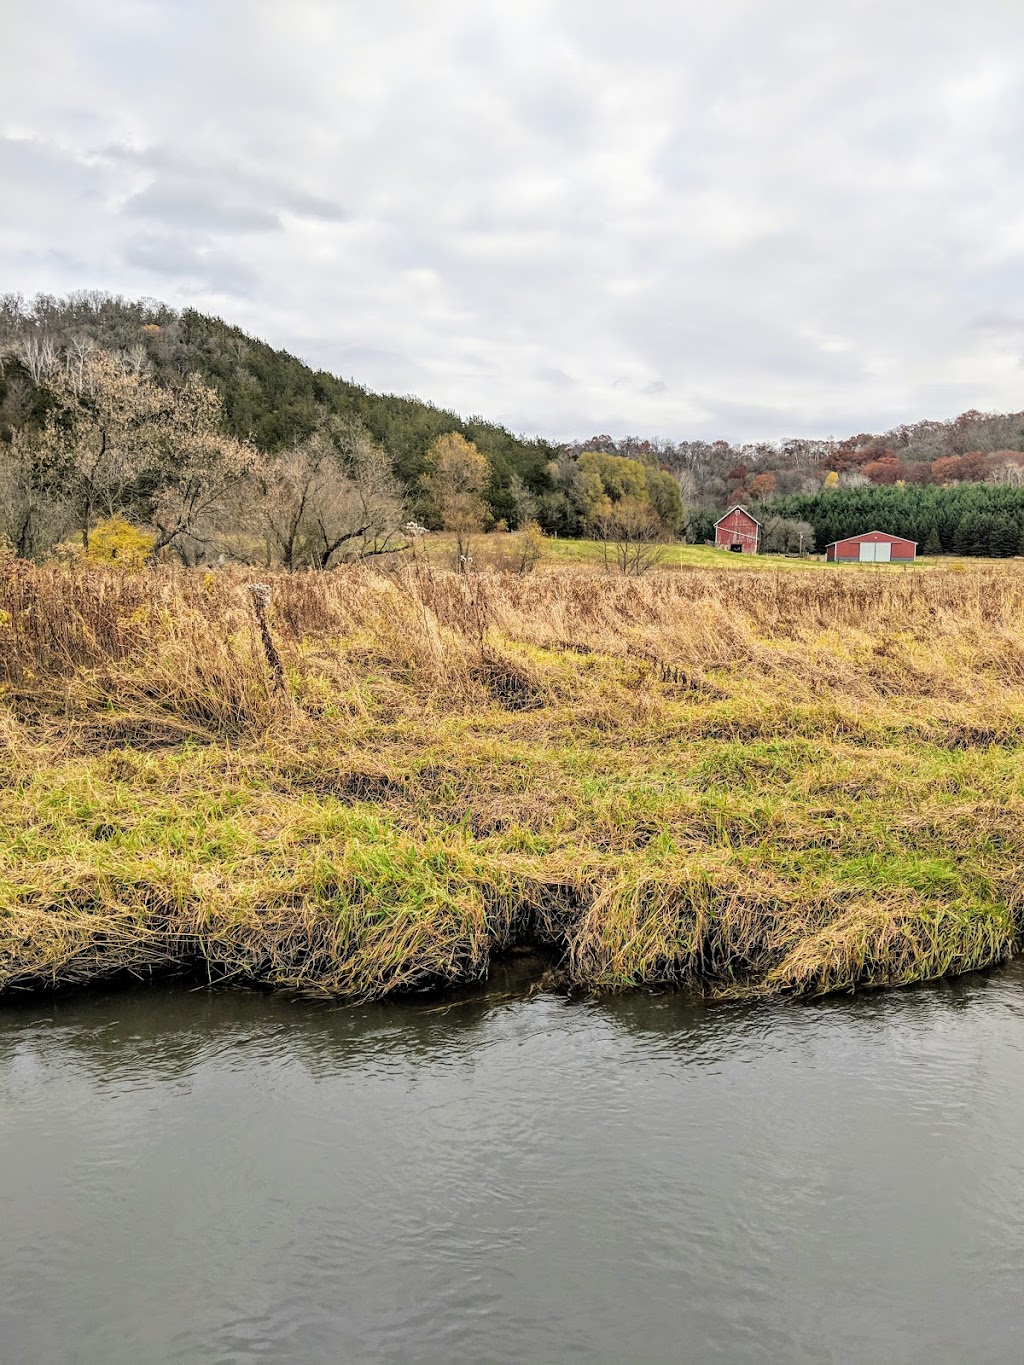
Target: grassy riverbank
762	782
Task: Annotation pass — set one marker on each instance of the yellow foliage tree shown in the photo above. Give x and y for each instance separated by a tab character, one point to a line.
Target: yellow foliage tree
454	480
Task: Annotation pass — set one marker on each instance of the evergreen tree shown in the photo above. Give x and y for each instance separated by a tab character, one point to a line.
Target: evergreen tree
965	518
965	534
1004	536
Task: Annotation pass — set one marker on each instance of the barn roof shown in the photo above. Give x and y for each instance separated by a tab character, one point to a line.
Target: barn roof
738	508
866	535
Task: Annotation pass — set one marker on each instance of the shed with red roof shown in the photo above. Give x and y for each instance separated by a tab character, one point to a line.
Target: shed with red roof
874	547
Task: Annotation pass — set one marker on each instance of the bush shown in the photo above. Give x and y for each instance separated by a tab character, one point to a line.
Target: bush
115	540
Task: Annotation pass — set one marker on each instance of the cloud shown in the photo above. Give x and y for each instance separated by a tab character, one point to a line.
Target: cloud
655	216
181	204
190	266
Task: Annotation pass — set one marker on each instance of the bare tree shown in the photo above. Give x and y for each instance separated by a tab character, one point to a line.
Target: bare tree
786	535
1009	471
689	487
202	471
105	429
334	497
38	354
33	516
631	534
523	503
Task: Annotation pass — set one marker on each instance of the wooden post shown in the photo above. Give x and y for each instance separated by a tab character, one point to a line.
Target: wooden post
259	594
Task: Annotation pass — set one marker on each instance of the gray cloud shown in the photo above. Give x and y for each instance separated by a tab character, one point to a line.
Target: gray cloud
190	265
189	206
656	216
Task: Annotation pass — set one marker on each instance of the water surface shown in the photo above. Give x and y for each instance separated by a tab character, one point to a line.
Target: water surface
196	1177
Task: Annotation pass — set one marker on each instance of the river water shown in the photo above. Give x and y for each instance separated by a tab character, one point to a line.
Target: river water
187	1176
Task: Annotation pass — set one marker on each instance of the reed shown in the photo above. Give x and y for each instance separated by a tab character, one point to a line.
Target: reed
757	783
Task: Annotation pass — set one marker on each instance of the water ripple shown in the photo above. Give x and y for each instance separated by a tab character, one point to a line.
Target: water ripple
236	1177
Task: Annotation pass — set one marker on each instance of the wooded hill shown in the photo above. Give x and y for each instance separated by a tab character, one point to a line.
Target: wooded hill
217	432
270	397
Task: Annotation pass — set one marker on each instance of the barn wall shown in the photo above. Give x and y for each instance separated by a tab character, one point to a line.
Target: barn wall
738	528
848	551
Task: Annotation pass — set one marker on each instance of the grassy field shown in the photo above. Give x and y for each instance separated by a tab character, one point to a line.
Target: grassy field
495	550
759	783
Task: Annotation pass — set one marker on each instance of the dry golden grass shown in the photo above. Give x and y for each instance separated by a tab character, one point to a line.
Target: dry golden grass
759	783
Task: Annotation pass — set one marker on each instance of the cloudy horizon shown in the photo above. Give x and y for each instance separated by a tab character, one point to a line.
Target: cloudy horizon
667	219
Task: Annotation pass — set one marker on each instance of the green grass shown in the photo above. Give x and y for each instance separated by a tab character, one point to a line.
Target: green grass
565	553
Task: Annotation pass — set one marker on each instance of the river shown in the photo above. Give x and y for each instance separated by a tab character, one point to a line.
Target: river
233	1177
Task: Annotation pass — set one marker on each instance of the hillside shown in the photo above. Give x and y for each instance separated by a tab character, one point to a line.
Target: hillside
317	468
269	396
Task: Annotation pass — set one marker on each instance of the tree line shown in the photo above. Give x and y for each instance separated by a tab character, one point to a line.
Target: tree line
102	440
216	443
106	441
964	519
268	398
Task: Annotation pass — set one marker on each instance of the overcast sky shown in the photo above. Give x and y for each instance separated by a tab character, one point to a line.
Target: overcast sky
685	218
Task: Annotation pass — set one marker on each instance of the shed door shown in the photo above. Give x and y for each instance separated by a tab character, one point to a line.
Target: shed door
875	553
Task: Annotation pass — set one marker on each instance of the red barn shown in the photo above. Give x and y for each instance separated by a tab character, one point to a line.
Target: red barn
738	531
874	547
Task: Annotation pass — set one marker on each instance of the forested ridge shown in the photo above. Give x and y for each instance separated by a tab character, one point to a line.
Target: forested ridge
270	397
213	442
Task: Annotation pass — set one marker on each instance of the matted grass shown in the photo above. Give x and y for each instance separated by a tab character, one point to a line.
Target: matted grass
758	783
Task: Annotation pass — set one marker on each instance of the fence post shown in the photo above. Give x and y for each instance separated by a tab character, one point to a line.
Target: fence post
259	594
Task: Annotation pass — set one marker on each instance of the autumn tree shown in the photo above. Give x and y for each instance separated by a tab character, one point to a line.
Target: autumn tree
762	487
884	470
619	476
606	481
453	483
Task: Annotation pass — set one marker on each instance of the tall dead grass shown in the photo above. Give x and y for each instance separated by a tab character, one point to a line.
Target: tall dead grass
190	638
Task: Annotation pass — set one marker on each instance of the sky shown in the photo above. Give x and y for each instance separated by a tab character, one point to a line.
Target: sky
677	218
